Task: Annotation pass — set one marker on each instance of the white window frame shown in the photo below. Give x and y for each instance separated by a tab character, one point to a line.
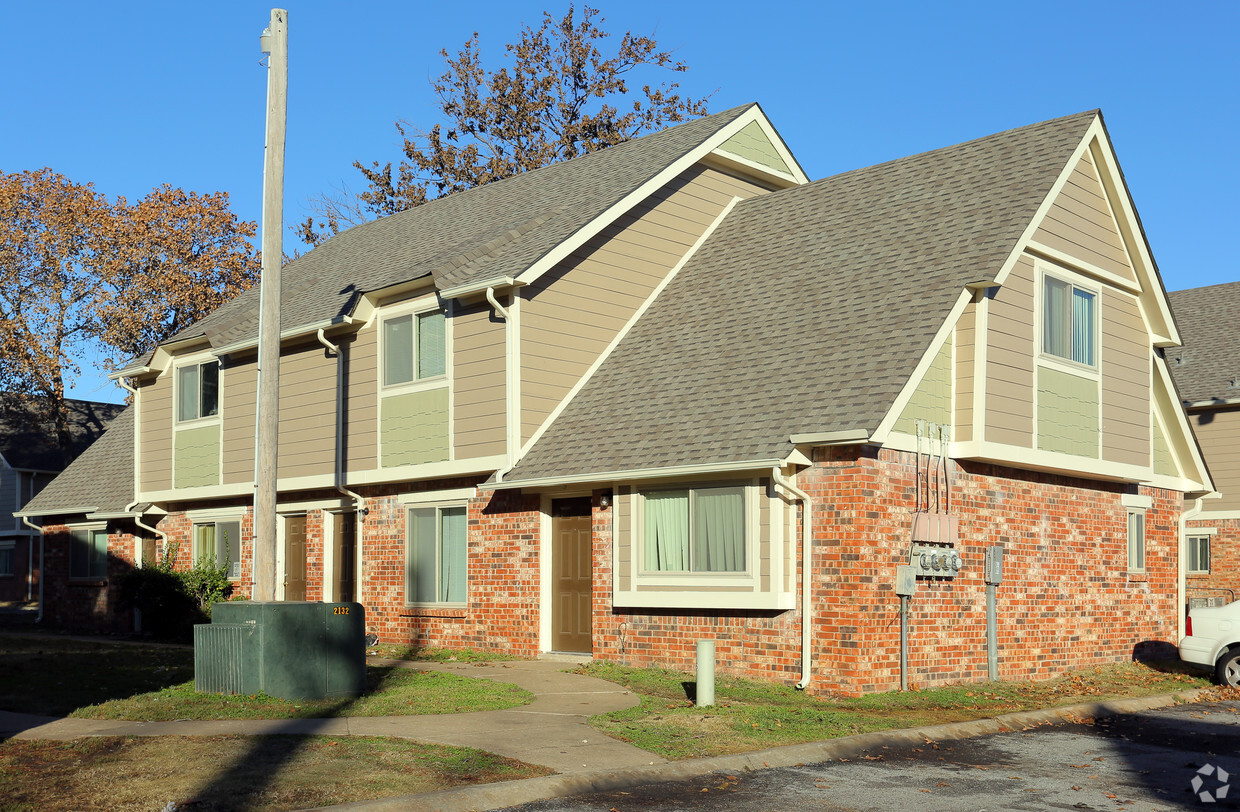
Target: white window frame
216	519
438	506
1074	281
199	419
90	530
414	311
1136	548
748	490
1193	539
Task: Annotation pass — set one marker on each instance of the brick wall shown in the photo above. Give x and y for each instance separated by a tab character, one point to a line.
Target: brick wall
1224	560
88	604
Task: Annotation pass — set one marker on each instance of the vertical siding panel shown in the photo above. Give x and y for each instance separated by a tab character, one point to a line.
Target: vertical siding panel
155	402
362	402
479	391
1010	350
1125	380
965	338
1080	223
1218	431
239	395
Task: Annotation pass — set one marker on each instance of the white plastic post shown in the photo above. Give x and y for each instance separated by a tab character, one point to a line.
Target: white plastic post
705	673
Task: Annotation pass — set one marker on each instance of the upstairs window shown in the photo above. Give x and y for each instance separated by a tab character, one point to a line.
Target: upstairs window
694	530
198	391
219	544
1069	321
414	348
88	553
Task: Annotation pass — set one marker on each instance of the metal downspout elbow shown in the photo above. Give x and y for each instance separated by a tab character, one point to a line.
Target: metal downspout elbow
807	507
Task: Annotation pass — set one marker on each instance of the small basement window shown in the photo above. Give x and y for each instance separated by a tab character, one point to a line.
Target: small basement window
1199	554
1136	541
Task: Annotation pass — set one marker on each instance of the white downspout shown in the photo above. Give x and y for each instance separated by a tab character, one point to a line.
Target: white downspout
1181	589
42	575
499	308
502	312
807	512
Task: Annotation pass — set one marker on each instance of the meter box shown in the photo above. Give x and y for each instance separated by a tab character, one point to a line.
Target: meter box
931	561
992	568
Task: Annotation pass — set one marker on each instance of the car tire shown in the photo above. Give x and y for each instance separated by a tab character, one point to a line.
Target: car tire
1228	671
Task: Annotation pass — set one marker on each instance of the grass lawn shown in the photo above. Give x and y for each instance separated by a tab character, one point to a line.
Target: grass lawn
752	715
234	772
103	680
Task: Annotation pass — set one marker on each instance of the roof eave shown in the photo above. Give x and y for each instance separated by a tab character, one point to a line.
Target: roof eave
637	473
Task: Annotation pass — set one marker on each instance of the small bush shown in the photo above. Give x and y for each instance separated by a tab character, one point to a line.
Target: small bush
171	602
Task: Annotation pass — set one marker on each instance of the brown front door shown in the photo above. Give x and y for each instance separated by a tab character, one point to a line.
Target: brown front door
345	552
295	558
571	597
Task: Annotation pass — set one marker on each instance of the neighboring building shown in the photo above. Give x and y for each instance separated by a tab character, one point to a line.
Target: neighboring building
671	390
30	457
1207	372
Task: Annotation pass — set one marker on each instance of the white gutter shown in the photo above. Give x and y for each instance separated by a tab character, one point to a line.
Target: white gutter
807	508
477	287
359	501
26	521
634	473
499	308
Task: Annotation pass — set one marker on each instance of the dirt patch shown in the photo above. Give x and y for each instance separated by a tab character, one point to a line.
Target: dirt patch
235	772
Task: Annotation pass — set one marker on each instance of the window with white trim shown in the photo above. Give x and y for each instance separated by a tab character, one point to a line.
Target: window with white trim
435	558
414	347
218	543
198	391
694	530
1199	553
1069	321
1136	541
88	552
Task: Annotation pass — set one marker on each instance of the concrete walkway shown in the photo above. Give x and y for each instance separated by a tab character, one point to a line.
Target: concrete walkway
550	732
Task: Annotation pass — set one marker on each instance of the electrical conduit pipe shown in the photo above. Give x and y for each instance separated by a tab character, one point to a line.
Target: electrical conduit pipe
807	512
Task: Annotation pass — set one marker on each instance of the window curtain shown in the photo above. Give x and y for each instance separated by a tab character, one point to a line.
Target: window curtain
431	345
666	531
718	530
1055	317
210	389
187	393
205	538
420	565
1082	327
398	350
1136	541
452	555
228	547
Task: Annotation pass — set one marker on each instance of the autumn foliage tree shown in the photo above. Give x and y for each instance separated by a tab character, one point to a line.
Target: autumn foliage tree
559	97
80	272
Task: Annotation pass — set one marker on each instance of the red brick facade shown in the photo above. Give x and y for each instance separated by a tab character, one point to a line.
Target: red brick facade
1067	600
85	603
1224	571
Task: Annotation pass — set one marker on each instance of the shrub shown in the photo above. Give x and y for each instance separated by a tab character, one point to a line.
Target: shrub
171	602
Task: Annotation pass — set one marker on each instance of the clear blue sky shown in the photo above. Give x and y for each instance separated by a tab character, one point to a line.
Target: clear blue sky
129	95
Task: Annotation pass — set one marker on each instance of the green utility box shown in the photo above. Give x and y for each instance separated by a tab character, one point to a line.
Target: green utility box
288	649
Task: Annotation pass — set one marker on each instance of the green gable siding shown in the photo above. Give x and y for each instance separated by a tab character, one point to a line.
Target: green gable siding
196	457
1163	462
413	428
1067	413
752	144
933	399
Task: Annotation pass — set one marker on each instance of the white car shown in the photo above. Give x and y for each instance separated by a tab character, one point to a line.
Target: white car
1213	640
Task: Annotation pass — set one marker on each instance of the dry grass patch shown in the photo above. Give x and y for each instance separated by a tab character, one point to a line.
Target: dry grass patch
752	715
235	772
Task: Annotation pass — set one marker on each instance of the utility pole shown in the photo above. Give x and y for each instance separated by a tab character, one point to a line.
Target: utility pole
274	42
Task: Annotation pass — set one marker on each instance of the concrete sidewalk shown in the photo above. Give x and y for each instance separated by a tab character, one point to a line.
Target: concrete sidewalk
550	732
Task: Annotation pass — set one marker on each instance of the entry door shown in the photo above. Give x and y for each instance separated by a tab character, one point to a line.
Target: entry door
294	558
345	554
571	603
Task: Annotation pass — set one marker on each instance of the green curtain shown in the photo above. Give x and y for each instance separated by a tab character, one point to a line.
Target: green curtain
431	345
420	564
452	546
1055	317
1082	326
719	530
666	538
187	393
398	350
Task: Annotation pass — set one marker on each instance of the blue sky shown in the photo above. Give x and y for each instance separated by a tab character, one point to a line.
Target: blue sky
129	95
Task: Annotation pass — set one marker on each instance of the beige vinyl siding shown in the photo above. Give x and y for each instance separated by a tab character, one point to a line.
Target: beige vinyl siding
966	356
362	401
752	144
932	400
1218	433
624	539
1010	349
414	427
239	397
1164	462
479	402
155	432
764	535
1125	380
571	314
196	456
1067	413
1081	225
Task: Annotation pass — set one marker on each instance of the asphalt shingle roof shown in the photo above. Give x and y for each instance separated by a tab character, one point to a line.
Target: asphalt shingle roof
29	443
807	310
490	231
101	478
1207	367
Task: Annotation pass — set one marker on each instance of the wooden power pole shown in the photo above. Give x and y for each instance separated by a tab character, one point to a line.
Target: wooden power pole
275	43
